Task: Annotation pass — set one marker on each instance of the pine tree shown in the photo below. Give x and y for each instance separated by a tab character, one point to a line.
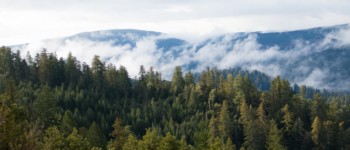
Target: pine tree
216	144
211	98
168	142
317	133
228	86
68	123
95	136
120	135
262	116
246	114
287	118
45	108
98	69
9	129
32	135
193	100
294	138
189	79
280	95
224	122
200	136
151	140
343	137
229	145
54	139
183	144
72	70
213	130
131	143
274	138
177	82
253	134
76	141
319	107
330	130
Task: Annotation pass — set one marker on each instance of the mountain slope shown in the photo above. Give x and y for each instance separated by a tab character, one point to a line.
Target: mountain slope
316	57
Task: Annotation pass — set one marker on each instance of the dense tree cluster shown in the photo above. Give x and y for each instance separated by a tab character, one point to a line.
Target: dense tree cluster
55	103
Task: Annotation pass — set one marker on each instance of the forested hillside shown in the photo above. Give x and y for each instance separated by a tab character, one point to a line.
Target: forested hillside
317	57
48	102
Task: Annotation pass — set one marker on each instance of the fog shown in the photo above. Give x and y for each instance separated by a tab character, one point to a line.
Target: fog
225	53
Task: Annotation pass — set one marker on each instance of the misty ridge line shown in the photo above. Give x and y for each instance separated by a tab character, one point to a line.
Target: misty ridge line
133	48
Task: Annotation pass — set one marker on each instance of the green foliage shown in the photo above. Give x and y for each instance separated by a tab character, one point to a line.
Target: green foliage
120	135
319	107
54	139
76	141
68	122
95	136
274	138
213	130
317	133
183	144
229	145
151	140
9	129
45	109
287	119
200	137
225	124
131	143
216	144
169	142
54	103
177	82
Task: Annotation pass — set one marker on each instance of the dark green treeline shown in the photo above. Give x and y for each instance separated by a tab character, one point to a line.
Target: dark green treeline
60	103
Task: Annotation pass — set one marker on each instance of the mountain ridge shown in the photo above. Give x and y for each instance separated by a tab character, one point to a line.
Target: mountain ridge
314	57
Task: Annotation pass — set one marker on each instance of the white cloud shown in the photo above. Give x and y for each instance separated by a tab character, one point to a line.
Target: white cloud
225	53
316	79
177	9
29	20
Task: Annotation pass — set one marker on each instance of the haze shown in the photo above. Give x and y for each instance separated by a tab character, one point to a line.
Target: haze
25	21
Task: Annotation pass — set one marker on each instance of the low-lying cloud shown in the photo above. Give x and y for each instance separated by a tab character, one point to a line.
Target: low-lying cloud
225	52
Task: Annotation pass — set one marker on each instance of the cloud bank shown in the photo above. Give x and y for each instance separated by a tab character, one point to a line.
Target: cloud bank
30	20
299	63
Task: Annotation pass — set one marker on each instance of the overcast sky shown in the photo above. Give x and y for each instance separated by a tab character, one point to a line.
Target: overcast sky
31	20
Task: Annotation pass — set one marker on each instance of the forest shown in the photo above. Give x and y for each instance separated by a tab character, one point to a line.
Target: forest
49	103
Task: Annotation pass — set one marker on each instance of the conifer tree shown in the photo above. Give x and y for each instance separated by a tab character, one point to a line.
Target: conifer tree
177	82
76	141
319	107
68	123
229	145
151	140
168	142
224	125
274	138
120	135
95	136
287	118
213	129
211	99
131	143
183	144
189	78
317	133
45	108
54	139
216	144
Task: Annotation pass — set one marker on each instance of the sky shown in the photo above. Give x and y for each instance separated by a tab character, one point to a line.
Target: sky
23	21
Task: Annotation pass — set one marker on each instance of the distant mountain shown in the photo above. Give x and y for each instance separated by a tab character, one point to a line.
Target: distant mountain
316	57
117	37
